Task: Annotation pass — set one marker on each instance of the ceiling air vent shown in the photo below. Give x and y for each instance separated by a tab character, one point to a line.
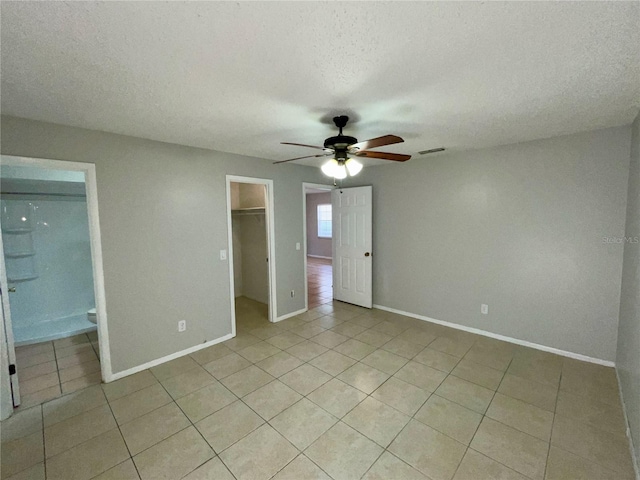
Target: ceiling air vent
433	150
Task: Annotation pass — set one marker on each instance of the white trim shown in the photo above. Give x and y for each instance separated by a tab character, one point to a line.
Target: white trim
173	356
271	244
232	281
292	314
89	170
306	185
634	459
6	334
524	343
320	256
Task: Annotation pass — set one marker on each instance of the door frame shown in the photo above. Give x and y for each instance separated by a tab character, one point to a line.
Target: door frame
7	339
271	245
306	185
95	238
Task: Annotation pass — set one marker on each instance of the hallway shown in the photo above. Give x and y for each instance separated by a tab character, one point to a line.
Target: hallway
320	281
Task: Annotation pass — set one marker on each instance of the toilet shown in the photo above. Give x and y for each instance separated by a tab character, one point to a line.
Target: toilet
91	315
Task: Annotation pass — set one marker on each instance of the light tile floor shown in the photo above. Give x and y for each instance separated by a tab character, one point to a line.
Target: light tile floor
50	369
337	392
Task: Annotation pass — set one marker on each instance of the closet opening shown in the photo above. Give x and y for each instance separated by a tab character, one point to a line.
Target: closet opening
251	266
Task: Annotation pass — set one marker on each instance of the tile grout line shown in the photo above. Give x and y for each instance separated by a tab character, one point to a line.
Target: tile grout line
504	373
216	453
44	444
553	423
55	356
384	449
174	400
424	403
484	415
367	395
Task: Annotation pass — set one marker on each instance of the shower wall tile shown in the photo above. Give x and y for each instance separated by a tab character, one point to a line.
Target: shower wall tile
47	237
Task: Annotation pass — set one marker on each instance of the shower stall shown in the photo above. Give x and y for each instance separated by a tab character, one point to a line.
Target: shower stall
47	252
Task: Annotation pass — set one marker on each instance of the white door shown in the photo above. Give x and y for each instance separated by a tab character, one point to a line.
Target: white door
352	255
7	337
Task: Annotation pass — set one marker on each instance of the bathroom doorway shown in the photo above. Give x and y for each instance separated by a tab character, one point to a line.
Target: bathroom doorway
251	247
51	278
318	244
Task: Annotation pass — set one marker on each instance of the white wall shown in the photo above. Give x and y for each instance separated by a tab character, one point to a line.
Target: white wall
320	247
6	400
518	227
255	272
163	222
236	233
628	358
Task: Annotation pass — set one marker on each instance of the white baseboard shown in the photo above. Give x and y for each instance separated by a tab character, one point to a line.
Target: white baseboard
292	314
524	343
319	256
634	459
173	356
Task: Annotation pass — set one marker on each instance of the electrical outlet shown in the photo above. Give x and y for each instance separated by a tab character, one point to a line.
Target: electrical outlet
297	245
484	309
293	293
182	325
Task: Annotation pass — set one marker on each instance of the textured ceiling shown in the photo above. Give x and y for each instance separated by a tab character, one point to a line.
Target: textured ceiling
241	77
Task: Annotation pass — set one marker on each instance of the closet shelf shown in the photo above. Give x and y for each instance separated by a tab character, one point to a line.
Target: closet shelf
248	211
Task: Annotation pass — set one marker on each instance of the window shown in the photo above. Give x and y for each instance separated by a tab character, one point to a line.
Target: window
324	221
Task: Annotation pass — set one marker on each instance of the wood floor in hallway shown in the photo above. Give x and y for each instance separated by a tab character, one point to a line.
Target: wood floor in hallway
320	280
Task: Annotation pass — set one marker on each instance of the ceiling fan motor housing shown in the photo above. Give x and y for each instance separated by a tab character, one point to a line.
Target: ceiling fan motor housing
341	146
340	143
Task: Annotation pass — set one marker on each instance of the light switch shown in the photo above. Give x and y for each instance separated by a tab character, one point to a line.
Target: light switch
223	254
298	246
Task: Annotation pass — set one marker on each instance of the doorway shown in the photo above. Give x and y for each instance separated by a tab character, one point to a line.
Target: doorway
318	241
251	247
52	286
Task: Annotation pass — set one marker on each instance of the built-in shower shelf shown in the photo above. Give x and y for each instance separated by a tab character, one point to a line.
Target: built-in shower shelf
24	278
17	230
19	254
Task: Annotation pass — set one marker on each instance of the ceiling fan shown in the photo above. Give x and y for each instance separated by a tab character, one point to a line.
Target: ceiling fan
341	146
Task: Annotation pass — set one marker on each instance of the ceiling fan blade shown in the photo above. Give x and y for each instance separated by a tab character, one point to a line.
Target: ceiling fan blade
377	142
306	156
301	145
396	157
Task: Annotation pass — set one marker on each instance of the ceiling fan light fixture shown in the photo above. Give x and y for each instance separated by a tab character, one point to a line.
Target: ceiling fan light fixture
340	172
329	168
353	166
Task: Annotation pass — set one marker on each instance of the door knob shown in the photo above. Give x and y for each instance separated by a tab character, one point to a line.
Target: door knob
367	254
12	289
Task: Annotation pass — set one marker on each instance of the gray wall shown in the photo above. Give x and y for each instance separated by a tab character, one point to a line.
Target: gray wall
163	222
317	246
628	360
518	227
